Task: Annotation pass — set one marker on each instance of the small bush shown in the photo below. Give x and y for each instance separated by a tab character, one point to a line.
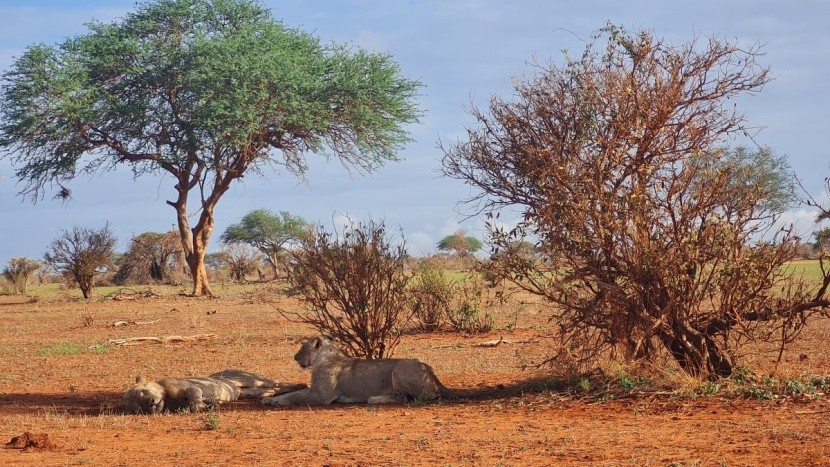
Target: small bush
467	314
353	287
212	419
432	296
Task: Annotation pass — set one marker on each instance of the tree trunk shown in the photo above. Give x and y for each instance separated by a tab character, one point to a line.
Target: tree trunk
194	243
86	284
698	355
272	260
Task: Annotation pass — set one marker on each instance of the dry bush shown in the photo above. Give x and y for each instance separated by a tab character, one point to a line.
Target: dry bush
18	271
81	255
464	304
150	257
471	308
241	260
353	288
648	226
432	296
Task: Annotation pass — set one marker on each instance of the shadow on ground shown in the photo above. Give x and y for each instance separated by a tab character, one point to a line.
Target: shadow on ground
109	403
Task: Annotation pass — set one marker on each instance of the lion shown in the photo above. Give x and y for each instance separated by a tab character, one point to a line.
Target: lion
338	378
197	394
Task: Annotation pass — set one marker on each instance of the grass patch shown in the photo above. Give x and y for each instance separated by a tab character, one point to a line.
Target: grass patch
61	348
212	419
807	269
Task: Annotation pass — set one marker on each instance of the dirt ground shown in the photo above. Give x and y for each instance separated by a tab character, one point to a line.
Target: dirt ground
61	385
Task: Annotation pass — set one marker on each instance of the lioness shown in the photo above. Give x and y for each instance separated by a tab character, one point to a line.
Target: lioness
338	378
197	394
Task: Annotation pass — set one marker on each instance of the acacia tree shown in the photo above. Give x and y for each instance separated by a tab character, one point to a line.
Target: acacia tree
268	232
204	91
460	243
653	236
81	254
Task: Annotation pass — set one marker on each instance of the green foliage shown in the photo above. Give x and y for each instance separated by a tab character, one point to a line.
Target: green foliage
268	232
432	294
205	91
460	243
18	271
212	418
467	313
61	348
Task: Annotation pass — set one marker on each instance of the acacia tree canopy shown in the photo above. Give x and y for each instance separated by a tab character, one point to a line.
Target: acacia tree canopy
267	232
653	235
461	243
204	91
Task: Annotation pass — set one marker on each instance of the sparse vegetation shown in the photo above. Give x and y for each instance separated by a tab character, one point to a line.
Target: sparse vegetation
134	92
81	254
18	271
654	238
61	348
353	287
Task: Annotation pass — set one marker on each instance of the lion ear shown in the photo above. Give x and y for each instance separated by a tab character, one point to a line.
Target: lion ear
140	379
318	341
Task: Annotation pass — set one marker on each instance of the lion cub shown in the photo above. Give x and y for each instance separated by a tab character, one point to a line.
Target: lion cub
198	394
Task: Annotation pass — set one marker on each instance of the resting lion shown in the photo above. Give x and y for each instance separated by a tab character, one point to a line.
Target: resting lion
198	394
338	378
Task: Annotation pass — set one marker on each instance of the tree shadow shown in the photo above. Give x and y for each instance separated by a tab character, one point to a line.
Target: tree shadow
72	403
98	403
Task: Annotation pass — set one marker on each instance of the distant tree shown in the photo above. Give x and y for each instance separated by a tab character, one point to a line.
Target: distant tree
353	288
80	254
460	243
822	239
241	259
18	271
205	91
648	227
215	261
150	257
268	232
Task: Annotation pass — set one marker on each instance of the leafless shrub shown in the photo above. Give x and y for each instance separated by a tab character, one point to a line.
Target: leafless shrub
353	288
241	259
151	256
81	254
648	226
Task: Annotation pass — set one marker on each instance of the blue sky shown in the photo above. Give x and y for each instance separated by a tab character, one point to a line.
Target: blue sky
464	51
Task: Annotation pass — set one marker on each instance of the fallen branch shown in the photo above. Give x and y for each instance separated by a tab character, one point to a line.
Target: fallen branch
487	344
136	323
494	343
160	340
131	294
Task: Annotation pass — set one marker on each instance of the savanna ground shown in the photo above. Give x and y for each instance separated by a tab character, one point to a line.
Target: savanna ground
62	382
